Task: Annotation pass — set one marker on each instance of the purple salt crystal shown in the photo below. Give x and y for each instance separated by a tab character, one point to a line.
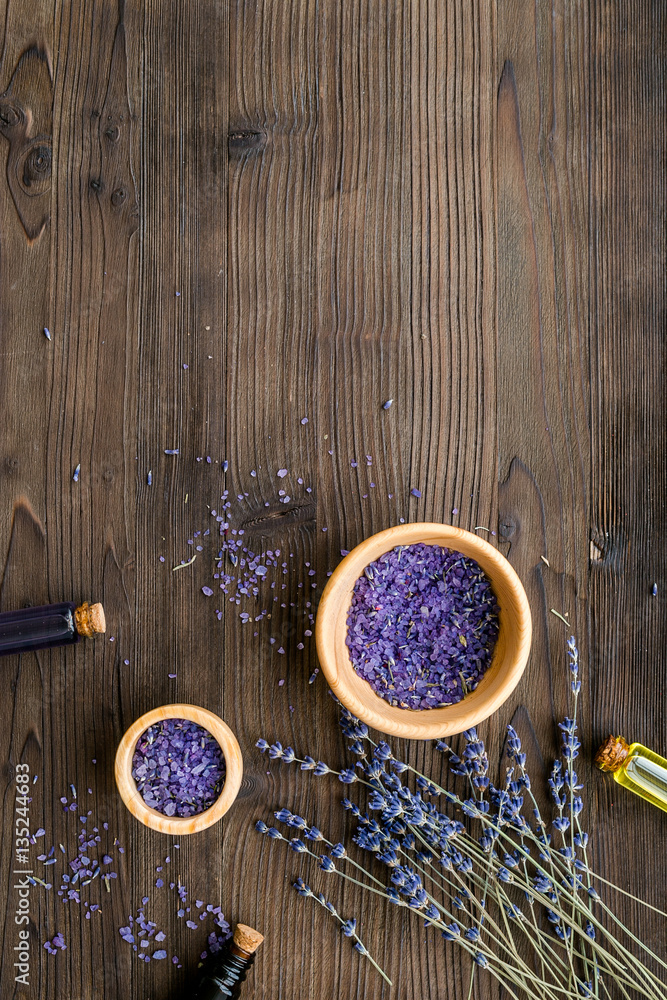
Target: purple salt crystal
207	591
160	954
282	473
415	492
179	768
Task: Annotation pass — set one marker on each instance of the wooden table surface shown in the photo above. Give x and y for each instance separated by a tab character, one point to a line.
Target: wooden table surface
231	216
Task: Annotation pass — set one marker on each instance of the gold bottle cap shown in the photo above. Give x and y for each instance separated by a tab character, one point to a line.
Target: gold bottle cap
247	939
612	753
89	619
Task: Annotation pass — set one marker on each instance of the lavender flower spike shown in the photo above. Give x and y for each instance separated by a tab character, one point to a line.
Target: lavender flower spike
348	927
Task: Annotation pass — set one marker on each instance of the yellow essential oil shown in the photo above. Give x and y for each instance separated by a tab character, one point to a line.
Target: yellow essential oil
635	767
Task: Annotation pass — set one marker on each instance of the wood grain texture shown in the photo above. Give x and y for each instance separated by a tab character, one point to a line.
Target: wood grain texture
233	216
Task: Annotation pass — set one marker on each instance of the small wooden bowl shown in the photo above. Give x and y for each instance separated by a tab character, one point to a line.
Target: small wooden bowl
175	825
509	657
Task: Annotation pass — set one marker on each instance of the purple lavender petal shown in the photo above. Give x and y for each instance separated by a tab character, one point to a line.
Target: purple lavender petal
422	626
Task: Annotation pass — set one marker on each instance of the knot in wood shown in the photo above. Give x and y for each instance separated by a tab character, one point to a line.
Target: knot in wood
118	197
245	140
506	527
11	114
35	175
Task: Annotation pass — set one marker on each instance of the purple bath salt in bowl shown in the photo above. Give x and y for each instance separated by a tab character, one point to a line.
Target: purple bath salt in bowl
422	626
179	767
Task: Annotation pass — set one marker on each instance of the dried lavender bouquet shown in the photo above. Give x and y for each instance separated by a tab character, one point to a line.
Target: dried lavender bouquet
486	881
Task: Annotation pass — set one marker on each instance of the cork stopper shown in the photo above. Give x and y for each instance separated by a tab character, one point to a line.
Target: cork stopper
89	619
612	753
247	939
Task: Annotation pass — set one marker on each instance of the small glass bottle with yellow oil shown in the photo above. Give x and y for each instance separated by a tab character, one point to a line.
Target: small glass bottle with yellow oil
635	767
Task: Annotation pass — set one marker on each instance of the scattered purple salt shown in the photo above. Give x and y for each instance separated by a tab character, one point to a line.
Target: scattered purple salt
304	420
56	943
171	451
422	626
207	591
282	473
415	493
179	768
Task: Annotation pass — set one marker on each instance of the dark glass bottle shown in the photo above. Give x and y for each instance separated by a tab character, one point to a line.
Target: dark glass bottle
47	626
223	980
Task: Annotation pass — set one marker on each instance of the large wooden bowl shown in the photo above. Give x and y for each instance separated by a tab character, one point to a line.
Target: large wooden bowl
174	825
509	658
